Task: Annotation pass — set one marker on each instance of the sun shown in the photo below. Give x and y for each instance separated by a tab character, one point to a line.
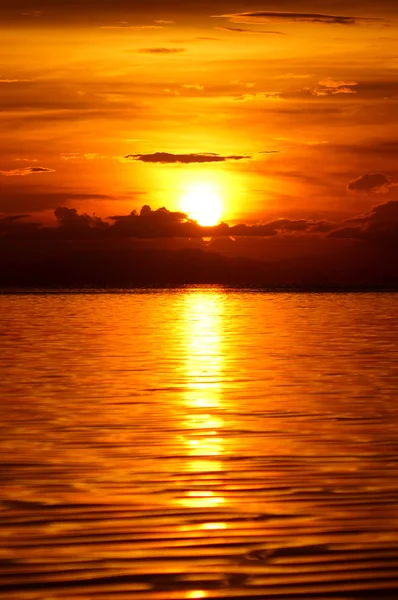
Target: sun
202	203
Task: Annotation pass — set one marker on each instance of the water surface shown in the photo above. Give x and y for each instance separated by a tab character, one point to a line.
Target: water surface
198	444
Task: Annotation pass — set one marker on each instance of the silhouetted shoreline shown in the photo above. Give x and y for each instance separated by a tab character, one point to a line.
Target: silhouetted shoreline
8	290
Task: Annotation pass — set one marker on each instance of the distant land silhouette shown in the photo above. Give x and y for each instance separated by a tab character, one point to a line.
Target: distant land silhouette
156	248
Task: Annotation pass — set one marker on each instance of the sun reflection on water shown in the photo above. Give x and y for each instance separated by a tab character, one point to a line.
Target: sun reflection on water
203	365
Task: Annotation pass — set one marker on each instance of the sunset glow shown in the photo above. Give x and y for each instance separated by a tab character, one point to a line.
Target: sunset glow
198	299
151	123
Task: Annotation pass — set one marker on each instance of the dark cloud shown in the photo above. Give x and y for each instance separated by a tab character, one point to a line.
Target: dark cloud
381	215
281	226
384	149
370	183
12	218
156	223
283	17
143	249
125	25
379	225
16	226
104	12
26	171
162	223
161	50
240	30
168	158
69	217
345	233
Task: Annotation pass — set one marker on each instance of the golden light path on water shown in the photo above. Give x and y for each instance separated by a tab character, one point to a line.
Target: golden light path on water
203	316
198	443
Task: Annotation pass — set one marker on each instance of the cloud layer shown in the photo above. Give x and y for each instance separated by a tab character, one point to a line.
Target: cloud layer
250	31
161	50
267	16
169	158
161	247
329	86
23	172
379	225
163	223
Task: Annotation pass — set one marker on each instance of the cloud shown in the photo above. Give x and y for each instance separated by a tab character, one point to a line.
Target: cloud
386	149
161	50
332	84
78	156
286	17
125	25
15	80
23	172
292	76
168	158
329	86
247	84
240	30
71	155
93	156
386	213
163	223
193	86
207	39
164	22
260	96
15	226
34	160
70	218
162	247
155	223
379	225
281	226
12	218
370	183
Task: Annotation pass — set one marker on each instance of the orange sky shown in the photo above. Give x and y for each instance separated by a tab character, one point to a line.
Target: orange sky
278	112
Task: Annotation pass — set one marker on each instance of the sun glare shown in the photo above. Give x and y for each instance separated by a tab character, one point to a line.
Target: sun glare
202	203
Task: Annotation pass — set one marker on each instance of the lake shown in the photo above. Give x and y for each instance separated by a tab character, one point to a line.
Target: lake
199	443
